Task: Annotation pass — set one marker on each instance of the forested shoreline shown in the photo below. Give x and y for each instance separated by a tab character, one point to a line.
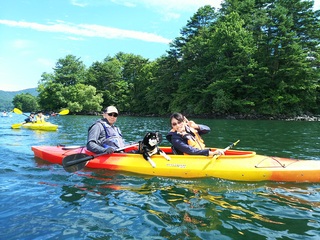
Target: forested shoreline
249	59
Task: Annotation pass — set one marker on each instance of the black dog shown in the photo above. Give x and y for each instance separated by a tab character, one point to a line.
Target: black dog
149	146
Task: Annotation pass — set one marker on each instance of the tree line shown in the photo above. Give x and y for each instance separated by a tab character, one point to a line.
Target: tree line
247	58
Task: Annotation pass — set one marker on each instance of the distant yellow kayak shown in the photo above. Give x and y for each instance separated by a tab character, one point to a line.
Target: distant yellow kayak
45	126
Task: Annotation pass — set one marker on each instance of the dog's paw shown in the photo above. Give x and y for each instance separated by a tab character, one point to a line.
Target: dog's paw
152	163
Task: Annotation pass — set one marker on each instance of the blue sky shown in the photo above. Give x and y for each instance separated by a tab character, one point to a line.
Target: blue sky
36	33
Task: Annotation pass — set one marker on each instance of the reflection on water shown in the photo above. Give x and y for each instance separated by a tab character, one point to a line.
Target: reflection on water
210	206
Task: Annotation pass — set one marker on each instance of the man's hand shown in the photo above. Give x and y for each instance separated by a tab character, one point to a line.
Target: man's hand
109	150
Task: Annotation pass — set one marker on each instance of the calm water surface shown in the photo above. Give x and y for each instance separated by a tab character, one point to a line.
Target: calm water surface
41	201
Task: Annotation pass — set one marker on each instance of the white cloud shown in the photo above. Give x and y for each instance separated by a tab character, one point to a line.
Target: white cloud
172	5
78	3
21	44
126	3
87	30
75	38
46	62
170	9
22	47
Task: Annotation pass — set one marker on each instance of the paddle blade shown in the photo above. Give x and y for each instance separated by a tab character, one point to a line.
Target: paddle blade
236	143
75	162
16	125
64	112
17	111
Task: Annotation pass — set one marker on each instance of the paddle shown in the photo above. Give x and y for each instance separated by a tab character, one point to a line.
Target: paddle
216	156
227	148
18	111
62	112
17	125
76	162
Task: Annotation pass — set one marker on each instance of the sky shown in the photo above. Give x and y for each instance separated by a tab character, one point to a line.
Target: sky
35	34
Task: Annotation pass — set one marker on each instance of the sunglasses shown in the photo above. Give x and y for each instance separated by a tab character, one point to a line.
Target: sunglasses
113	114
176	123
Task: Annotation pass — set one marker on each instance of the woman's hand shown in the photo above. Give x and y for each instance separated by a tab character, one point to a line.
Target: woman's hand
217	152
191	123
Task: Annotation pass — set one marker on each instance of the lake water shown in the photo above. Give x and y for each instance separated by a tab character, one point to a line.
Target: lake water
42	201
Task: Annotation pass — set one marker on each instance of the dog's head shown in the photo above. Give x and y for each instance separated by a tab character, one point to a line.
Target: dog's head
152	139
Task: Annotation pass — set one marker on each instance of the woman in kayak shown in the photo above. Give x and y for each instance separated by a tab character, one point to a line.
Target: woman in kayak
103	135
40	118
185	137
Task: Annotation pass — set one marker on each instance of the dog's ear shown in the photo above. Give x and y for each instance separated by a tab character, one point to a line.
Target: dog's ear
147	135
140	150
145	139
159	136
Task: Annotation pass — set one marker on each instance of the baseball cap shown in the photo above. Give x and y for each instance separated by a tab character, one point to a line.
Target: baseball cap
111	109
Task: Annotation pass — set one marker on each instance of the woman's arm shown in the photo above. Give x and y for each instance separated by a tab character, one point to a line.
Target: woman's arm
178	143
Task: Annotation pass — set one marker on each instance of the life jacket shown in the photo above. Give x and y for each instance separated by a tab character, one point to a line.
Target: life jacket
194	139
40	119
113	136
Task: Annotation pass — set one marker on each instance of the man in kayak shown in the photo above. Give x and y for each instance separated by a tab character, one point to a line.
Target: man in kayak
185	137
31	118
103	135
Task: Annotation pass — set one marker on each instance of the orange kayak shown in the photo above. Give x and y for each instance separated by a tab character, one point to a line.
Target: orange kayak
235	165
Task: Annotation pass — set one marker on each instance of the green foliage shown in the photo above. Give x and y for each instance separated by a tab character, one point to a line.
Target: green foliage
25	102
249	57
69	71
82	98
63	89
6	98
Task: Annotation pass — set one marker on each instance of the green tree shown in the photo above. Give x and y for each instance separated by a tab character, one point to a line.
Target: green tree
64	88
106	77
51	97
164	85
137	75
69	71
189	50
286	34
233	66
83	98
25	102
250	57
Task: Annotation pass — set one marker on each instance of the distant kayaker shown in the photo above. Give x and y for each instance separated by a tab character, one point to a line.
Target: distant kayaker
31	118
185	137
103	135
40	118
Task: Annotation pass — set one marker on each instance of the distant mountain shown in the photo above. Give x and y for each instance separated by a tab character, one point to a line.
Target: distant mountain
6	97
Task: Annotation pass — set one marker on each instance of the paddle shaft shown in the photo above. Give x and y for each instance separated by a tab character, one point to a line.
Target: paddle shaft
18	111
90	157
216	156
227	148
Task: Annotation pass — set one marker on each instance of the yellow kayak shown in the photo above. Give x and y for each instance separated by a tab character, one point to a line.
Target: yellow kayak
234	165
45	126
